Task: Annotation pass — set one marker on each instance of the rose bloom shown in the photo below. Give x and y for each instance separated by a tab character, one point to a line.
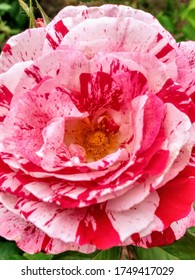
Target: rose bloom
97	133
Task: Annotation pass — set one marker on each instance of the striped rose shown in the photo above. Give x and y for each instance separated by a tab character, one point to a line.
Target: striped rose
96	133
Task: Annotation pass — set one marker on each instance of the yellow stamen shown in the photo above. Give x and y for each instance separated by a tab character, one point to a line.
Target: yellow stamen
95	140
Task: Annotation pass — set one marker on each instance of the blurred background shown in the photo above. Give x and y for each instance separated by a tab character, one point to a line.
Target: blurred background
177	16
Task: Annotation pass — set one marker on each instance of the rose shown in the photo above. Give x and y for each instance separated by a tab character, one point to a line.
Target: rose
97	133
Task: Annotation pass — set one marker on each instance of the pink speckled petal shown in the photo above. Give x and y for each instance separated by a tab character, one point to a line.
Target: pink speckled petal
119	34
81	13
31	239
137	217
186	66
23	47
113	63
76	222
71	221
169	235
8	86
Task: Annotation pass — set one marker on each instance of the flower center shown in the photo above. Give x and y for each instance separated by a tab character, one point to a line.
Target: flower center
98	139
96	144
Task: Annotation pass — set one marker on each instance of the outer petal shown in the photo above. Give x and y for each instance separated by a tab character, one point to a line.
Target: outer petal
80	13
31	239
179	156
173	93
167	236
23	47
8	86
177	204
119	34
26	235
73	223
55	65
186	66
10	184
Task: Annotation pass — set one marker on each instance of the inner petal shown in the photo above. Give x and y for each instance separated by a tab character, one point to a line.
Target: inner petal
96	139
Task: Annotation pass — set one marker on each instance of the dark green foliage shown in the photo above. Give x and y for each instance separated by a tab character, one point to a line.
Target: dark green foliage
12	19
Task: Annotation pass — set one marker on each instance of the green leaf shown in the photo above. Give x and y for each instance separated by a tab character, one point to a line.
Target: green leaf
192	231
31	16
29	11
17	257
191	17
24	7
2	37
191	5
38	256
155	253
8	249
166	22
111	254
5	7
70	255
189	32
182	249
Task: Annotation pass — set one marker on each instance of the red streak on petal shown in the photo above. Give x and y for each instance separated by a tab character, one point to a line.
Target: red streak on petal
161	238
34	74
5	96
165	50
53	44
27	214
46	243
135	237
97	229
157	163
173	93
7	49
61	29
85	195
159	37
176	197
107	125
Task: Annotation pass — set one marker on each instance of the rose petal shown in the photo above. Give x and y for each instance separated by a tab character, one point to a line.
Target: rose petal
186	69
20	48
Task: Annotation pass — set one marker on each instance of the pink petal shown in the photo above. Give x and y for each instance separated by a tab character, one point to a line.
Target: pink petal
125	62
55	65
153	116
81	13
20	48
49	217
27	236
136	218
173	93
31	239
186	66
179	133
53	137
119	34
54	36
54	221
99	92
8	86
167	236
